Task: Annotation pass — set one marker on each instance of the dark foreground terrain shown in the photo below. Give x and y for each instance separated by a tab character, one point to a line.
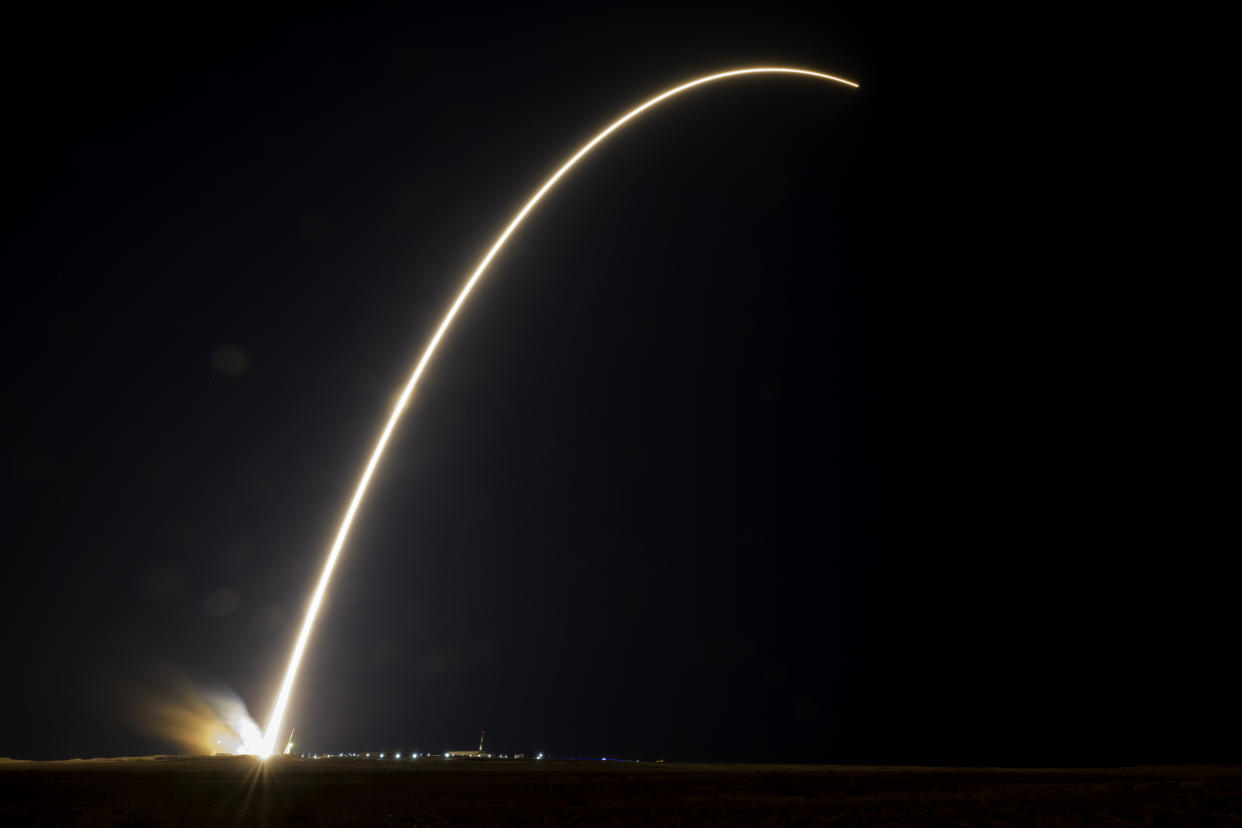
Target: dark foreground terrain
215	790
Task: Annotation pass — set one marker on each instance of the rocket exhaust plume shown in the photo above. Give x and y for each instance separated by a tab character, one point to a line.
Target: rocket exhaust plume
199	718
274	722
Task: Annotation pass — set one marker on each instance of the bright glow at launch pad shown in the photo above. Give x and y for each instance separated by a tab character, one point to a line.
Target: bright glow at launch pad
267	746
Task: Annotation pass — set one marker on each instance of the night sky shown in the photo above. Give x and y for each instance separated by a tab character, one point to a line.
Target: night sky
795	425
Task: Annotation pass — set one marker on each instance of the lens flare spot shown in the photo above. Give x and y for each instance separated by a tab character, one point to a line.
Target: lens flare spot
222	602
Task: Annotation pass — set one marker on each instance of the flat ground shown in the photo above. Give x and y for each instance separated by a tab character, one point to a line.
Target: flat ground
216	790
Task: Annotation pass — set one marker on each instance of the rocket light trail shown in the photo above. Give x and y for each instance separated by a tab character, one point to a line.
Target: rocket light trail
268	744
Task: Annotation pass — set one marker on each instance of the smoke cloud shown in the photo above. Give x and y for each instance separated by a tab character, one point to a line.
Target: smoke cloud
197	718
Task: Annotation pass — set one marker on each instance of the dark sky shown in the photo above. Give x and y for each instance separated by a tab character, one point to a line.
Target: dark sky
794	426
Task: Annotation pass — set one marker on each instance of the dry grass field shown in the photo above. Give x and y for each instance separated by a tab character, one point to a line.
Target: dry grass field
224	790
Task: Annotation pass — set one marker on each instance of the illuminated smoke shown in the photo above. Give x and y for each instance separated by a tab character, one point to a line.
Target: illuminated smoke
286	687
248	738
198	719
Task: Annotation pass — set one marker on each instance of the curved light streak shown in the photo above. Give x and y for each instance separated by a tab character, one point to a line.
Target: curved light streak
286	687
